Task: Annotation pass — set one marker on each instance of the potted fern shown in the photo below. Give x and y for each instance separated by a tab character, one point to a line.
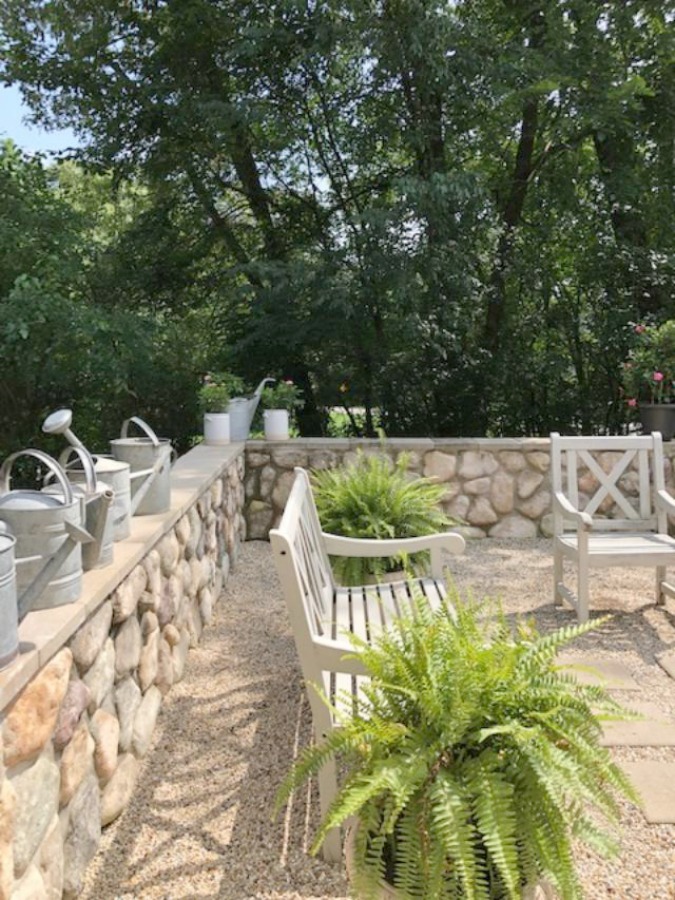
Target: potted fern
375	498
214	397
471	763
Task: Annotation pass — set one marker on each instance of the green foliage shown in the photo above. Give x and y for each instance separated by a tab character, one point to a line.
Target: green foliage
283	395
472	762
217	390
649	371
375	498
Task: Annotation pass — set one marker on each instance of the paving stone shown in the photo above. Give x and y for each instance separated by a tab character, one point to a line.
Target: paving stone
654	730
655	782
667	662
603	672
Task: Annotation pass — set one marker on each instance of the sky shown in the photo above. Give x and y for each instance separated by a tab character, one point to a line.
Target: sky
28	138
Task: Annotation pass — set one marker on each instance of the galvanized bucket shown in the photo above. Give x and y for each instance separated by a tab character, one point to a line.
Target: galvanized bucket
98	507
9	617
242	410
149	458
49	533
115	474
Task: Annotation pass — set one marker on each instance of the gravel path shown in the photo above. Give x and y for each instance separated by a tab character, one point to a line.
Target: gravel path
200	823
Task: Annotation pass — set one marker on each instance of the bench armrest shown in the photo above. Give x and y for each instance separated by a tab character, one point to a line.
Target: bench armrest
582	519
448	542
337	656
666	502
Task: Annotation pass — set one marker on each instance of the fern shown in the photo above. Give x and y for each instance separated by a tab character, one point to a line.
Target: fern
472	761
375	498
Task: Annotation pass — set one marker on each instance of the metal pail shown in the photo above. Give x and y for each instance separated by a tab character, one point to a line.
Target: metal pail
149	459
98	508
49	533
9	616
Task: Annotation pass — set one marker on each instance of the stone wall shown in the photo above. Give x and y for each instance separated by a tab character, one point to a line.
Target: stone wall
498	488
74	736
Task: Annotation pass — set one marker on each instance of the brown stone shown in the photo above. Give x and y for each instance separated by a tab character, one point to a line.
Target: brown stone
474	464
481	513
512	460
164	678
171	635
106	733
50	862
528	482
7	818
514	527
74	704
442	466
536	506
477	486
539	460
31	720
147	668
119	790
75	763
87	642
128	643
501	492
282	489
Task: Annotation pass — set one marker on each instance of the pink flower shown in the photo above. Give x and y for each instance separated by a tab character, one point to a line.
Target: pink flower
657	376
639	329
632	401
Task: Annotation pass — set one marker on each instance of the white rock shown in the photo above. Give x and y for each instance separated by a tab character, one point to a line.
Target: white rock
31	886
528	482
105	730
76	762
147	667
477	486
37	801
144	722
119	790
481	513
101	675
127	700
128	645
82	836
474	464
501	492
514	527
536	506
442	466
512	460
50	861
90	637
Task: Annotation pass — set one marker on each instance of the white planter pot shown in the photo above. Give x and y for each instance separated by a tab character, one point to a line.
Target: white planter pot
216	428
276	424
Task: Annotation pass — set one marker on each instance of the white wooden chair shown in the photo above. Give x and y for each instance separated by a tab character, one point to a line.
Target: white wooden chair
322	612
610	508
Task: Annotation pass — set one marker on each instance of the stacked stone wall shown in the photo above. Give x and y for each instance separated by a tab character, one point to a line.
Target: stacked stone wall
74	738
496	488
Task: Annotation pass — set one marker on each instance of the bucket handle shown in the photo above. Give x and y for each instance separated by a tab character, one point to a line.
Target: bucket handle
143	426
90	479
46	460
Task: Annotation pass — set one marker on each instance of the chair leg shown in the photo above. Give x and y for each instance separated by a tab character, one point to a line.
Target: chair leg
582	589
557	577
660	578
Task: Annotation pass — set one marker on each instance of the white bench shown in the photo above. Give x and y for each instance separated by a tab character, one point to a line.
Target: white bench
610	508
322	613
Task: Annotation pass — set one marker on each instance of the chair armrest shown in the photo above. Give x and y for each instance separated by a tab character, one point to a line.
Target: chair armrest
666	502
582	519
338	656
447	542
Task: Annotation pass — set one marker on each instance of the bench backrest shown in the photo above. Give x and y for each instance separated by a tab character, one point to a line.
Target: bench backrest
302	562
613	479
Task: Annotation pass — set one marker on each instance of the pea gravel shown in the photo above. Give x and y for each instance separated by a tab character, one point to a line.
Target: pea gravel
200	824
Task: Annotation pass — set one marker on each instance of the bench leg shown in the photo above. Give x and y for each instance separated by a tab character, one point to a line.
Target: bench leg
332	845
660	578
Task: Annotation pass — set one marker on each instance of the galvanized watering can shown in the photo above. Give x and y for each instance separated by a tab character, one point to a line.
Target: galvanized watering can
242	410
115	474
98	506
9	619
149	459
49	535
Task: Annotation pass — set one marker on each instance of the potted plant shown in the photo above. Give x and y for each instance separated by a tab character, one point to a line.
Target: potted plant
471	764
649	376
278	402
375	498
214	396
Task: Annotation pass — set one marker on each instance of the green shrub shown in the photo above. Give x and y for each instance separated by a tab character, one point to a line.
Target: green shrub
374	498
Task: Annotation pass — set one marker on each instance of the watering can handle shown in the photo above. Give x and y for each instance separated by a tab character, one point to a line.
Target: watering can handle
258	391
45	459
143	426
85	456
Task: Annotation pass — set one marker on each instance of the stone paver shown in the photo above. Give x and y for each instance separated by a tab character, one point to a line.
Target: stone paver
667	662
603	672
656	729
655	782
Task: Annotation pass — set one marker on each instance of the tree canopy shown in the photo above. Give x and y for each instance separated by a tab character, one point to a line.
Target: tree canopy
447	213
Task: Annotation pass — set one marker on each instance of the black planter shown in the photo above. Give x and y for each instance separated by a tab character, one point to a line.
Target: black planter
658	417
